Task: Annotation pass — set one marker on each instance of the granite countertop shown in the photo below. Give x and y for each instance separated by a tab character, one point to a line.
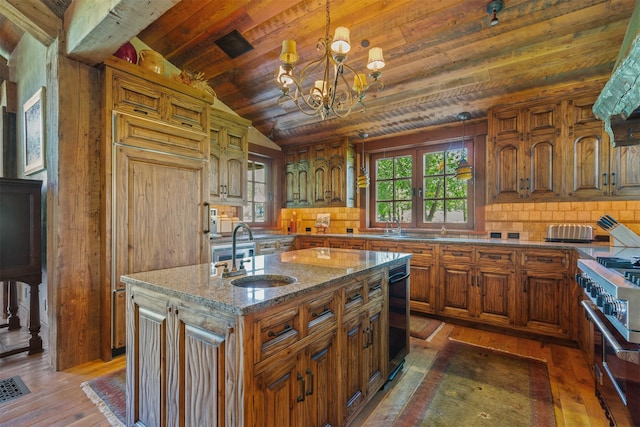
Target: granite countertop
314	269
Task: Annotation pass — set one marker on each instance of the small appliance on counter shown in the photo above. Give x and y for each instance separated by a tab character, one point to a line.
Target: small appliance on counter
569	233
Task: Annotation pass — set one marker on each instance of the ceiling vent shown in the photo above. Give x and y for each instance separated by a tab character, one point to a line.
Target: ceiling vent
233	44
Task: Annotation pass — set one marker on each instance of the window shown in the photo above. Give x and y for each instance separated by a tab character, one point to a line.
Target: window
419	188
257	211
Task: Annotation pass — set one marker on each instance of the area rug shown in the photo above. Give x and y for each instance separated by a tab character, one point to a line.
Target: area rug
109	394
422	327
469	385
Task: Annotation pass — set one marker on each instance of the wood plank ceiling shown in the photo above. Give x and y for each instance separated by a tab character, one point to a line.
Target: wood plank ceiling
443	57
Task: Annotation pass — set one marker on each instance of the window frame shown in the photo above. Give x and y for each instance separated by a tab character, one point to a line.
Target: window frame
270	202
418	201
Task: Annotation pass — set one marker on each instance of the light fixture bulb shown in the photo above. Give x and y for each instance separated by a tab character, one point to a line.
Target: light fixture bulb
493	8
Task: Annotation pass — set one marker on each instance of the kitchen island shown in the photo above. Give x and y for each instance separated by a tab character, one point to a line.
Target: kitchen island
203	351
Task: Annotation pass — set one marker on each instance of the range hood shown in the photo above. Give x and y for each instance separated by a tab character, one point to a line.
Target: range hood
618	105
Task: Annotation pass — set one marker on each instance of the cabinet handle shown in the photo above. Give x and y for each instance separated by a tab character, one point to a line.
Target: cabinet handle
545	260
140	111
324	311
310	373
604	178
187	124
613	178
207	218
527	183
304	388
286	329
494	257
377	287
370	336
524	285
457	254
479	282
354	297
521	184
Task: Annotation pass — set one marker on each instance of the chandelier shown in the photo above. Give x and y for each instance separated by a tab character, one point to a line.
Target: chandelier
322	87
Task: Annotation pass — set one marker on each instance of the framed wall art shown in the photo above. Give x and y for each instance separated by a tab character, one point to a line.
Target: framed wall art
33	127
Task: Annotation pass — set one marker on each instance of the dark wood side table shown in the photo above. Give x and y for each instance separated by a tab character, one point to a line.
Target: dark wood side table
21	250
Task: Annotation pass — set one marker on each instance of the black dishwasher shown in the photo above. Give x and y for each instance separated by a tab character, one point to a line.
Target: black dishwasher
398	318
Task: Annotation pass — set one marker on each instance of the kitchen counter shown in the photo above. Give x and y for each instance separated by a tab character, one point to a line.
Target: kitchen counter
314	269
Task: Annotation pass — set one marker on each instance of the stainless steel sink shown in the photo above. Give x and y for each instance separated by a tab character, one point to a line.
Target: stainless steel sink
263	281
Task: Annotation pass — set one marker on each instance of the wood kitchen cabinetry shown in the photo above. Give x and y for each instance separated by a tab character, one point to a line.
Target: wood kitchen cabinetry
318	175
176	356
545	292
523	153
477	283
597	169
274	246
156	176
319	360
228	158
556	151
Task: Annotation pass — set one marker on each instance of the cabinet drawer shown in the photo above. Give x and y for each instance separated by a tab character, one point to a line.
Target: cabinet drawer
374	286
311	242
276	332
284	245
426	251
547	260
456	253
136	97
321	313
136	132
187	113
490	255
383	246
353	296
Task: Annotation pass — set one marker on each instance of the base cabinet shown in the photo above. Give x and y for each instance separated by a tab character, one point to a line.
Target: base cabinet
176	358
299	390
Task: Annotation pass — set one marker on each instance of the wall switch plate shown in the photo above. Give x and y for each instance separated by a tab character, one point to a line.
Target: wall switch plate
495	235
513	235
307	229
350	230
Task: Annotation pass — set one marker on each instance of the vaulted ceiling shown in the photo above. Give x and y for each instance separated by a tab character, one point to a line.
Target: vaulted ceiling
443	57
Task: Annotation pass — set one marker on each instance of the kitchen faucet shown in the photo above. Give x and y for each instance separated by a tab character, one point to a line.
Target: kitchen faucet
234	270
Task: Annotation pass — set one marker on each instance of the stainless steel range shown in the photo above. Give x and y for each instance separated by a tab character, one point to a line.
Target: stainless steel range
613	287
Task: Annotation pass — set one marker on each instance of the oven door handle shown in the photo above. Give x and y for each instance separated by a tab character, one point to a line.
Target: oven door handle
398	277
632	356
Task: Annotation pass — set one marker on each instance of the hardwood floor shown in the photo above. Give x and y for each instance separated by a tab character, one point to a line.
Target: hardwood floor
56	398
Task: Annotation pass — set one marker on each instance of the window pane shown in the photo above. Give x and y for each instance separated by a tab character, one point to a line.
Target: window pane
404	167
456	188
456	211
403	211
384	169
383	211
433	211
433	163
433	188
403	190
384	190
259	212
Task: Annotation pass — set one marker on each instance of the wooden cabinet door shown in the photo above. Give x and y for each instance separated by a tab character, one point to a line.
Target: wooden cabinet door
354	381
624	179
147	360
496	301
375	354
456	290
545	307
542	167
588	163
278	390
320	371
159	214
504	159
423	286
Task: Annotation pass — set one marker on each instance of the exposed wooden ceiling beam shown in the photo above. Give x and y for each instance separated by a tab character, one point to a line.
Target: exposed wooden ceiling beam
33	17
94	30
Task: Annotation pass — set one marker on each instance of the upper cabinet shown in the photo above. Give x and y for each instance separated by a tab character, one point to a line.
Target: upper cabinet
228	158
556	151
319	175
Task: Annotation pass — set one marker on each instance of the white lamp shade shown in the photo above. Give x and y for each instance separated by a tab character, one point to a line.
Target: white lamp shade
376	61
340	43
